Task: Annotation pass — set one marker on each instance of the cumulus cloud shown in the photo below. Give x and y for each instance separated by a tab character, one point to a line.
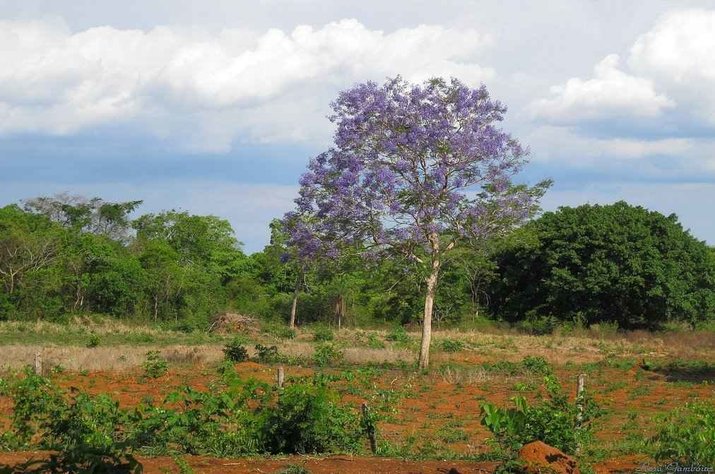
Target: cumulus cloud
611	92
206	89
668	81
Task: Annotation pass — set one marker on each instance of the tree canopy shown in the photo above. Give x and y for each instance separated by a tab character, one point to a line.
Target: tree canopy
598	263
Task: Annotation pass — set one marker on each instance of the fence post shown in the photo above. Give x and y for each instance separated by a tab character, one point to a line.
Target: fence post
38	362
280	376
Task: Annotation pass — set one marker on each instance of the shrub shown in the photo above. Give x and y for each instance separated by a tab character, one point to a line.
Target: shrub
279	331
307	419
686	435
398	334
267	354
374	343
451	345
323	334
154	365
94	341
327	354
235	352
537	365
553	421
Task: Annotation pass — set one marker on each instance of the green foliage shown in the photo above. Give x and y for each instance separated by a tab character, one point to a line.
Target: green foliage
399	335
308	420
614	263
327	354
235	417
267	354
94	340
294	469
451	345
686	435
84	430
323	334
154	365
279	331
553	421
234	351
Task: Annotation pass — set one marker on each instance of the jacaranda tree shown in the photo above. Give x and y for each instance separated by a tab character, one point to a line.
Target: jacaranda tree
415	171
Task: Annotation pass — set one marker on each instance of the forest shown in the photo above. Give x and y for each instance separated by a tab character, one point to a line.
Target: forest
63	256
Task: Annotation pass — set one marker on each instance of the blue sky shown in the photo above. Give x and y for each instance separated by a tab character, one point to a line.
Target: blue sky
216	108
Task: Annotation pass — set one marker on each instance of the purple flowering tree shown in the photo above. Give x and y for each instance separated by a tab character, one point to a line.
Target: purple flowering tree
416	170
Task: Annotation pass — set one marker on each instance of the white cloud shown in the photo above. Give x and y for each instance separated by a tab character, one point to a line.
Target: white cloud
205	89
611	92
670	70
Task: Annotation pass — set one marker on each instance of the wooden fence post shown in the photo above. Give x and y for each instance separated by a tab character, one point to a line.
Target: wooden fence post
280	376
38	362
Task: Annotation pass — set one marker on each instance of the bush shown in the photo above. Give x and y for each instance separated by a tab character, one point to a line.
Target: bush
279	331
323	334
307	420
451	345
553	421
267	355
235	352
93	341
155	365
93	434
327	354
398	334
686	435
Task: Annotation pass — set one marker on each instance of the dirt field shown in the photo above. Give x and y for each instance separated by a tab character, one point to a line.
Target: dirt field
431	416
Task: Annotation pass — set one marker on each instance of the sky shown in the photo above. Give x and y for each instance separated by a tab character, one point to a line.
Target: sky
215	107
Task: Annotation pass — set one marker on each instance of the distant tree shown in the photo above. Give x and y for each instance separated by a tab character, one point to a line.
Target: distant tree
110	219
27	243
597	263
415	171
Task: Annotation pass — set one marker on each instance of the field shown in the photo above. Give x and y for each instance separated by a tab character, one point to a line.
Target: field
426	421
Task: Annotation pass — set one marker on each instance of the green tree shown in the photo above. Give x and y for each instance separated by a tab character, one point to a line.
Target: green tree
618	263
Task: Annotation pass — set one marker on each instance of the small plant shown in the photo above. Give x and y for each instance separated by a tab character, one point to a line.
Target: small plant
94	340
323	334
154	365
686	435
554	421
267	354
373	342
451	345
399	335
327	354
536	365
279	331
294	469
235	352
307	419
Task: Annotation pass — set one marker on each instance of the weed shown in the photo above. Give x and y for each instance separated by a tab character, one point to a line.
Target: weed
451	345
323	334
686	435
554	421
94	340
154	365
234	351
267	354
399	335
327	354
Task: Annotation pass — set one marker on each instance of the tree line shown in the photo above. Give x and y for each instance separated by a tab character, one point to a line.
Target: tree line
61	256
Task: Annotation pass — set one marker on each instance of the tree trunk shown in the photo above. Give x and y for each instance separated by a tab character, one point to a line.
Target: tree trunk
294	307
429	303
